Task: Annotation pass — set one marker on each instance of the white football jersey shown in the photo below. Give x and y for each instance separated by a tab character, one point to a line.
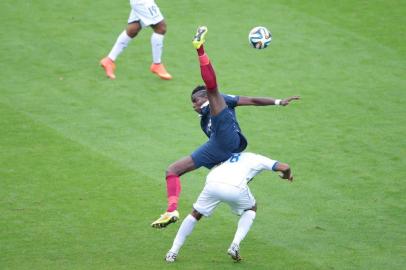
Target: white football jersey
240	169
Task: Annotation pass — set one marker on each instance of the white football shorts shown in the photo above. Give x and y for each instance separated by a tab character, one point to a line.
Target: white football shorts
239	199
145	11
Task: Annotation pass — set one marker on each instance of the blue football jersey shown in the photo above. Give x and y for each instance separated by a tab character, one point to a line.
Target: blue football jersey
205	121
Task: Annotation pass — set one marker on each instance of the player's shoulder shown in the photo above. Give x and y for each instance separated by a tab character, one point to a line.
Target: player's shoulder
230	96
231	100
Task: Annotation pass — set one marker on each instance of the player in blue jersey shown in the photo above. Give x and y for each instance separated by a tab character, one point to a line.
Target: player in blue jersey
218	122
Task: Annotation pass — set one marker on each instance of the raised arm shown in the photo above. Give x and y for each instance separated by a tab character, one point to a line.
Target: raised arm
265	101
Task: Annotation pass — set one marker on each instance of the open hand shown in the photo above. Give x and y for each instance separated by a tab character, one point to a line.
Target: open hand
286	101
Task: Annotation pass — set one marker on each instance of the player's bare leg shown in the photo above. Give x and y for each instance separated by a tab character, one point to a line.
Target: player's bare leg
217	103
133	29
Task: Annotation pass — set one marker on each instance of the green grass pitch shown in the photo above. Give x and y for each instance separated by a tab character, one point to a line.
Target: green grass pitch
82	158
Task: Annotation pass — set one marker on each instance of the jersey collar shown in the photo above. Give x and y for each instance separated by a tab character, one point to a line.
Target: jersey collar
203	106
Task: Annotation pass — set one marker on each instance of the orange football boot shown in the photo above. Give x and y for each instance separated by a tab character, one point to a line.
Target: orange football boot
109	67
159	69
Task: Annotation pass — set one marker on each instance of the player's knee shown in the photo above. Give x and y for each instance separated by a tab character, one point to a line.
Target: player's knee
175	169
133	29
254	208
196	214
132	33
181	166
169	171
160	28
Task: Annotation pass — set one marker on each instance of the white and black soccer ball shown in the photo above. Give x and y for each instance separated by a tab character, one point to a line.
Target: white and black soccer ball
259	37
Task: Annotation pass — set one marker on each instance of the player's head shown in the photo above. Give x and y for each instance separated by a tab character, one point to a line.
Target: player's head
198	97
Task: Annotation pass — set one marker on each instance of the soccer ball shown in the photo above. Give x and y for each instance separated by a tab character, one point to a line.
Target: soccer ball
259	37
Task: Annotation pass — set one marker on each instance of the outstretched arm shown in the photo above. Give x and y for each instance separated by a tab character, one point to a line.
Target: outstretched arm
265	101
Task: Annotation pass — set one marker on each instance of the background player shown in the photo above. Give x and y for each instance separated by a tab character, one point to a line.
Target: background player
228	183
219	124
143	13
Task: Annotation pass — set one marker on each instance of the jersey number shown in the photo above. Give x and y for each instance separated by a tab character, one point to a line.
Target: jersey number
235	158
153	10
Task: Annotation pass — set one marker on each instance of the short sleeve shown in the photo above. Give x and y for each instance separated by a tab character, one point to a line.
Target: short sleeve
231	100
265	163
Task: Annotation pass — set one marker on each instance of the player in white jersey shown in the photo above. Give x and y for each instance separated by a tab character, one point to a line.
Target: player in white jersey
143	13
228	182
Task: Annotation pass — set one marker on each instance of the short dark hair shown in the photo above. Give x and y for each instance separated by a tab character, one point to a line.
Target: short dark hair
198	89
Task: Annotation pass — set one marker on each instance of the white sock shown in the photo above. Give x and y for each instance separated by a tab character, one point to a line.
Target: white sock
244	225
121	43
157	44
185	229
